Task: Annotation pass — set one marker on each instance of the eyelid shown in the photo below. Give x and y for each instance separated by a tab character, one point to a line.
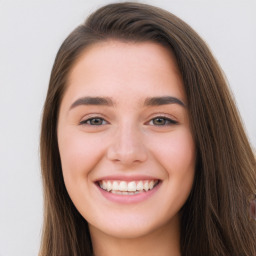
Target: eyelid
167	117
172	120
91	117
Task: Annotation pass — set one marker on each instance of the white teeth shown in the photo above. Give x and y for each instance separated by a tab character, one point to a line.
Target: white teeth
104	185
115	186
132	186
124	193
151	184
127	188
116	192
146	187
140	185
109	186
123	186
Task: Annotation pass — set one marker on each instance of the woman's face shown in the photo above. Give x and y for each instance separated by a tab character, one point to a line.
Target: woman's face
126	148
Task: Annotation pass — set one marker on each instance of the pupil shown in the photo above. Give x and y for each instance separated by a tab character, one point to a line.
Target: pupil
159	121
96	121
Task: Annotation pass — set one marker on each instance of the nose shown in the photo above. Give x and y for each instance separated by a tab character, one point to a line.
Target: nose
127	146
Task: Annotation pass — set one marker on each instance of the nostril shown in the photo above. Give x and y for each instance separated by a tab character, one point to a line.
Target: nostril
127	155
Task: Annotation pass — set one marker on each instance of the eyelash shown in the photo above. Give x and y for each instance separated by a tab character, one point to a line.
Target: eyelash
88	121
101	121
167	121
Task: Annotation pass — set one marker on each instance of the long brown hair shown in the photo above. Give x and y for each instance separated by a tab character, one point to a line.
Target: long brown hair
215	219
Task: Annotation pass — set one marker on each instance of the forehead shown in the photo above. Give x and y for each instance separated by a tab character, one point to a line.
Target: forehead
114	67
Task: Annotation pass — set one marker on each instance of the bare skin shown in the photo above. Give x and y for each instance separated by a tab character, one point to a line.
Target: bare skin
162	242
123	121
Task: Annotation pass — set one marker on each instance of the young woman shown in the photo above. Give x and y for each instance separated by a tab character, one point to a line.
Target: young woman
142	148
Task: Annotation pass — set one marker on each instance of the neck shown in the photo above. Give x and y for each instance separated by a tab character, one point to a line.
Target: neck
161	242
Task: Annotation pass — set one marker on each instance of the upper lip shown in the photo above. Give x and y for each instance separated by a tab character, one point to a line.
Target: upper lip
127	178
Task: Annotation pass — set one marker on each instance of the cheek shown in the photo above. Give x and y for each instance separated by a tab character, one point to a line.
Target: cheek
176	151
79	153
177	156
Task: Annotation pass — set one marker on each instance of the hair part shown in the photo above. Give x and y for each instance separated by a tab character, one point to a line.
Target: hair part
215	219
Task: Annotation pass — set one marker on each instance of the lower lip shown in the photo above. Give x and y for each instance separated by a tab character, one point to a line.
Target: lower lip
129	199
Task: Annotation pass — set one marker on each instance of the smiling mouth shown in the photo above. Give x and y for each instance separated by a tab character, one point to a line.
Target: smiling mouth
127	188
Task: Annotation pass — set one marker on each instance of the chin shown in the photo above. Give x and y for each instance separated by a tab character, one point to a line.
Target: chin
133	225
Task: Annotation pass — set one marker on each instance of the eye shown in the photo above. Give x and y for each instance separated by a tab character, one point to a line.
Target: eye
162	121
94	121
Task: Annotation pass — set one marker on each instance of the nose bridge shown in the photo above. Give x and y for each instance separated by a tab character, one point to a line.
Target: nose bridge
128	138
127	144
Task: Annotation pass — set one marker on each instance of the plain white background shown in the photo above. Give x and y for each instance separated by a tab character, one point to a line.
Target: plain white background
31	32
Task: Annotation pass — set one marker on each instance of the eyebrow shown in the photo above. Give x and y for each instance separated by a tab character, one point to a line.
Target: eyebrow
100	101
158	101
106	101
